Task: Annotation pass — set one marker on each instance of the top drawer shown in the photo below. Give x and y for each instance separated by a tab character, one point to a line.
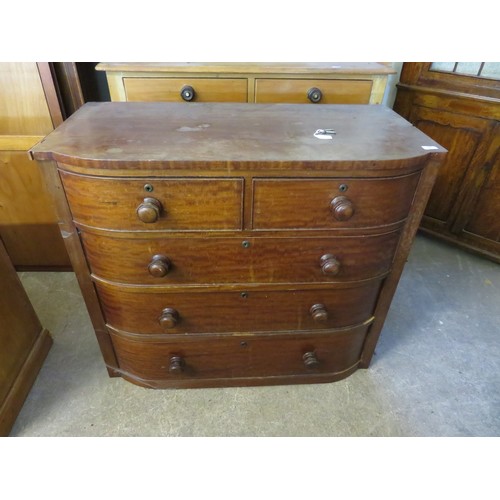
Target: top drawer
313	91
175	204
186	89
331	203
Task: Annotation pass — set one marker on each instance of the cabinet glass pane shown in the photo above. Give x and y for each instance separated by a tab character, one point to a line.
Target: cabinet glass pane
491	70
468	68
442	66
479	69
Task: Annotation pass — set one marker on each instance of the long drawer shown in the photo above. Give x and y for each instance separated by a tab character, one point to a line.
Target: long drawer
155	204
244	310
164	260
331	203
238	356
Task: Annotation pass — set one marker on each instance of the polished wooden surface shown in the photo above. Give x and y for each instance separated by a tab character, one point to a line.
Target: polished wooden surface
24	344
184	204
461	113
240	310
232	259
208	136
246	357
351	83
279	239
306	203
28	223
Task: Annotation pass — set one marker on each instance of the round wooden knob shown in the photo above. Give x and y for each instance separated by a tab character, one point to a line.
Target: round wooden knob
319	313
342	208
169	318
188	93
176	365
314	94
310	360
329	264
149	210
159	266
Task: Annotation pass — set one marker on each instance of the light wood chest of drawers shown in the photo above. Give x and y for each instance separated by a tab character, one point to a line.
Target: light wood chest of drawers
292	82
235	244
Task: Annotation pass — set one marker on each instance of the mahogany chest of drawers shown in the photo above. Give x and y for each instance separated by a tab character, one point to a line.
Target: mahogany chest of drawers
237	244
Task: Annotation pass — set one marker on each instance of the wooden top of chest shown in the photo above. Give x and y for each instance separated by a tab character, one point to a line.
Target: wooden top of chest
230	136
305	68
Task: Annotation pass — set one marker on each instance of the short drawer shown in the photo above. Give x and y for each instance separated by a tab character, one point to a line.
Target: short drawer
313	91
164	261
331	203
186	89
243	310
175	204
239	356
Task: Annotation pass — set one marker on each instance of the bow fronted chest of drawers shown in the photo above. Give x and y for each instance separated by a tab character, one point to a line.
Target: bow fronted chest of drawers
237	244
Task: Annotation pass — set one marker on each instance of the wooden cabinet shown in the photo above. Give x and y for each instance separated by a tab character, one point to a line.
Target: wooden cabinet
301	83
222	244
24	344
28	223
462	113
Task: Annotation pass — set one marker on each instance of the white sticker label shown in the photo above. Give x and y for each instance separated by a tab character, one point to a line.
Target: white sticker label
427	148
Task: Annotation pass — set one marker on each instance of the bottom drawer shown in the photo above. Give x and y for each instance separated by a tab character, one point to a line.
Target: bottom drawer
239	359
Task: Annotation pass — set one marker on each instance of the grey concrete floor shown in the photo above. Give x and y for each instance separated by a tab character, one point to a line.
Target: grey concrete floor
436	371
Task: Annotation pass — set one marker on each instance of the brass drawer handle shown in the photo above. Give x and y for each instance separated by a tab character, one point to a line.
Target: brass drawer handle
149	210
176	365
169	318
159	266
329	264
314	94
188	93
310	360
319	313
342	208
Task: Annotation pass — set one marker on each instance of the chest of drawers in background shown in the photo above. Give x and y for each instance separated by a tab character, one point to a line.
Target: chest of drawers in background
299	83
231	244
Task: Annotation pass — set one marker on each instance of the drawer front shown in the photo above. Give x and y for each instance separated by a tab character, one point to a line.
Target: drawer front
240	356
174	204
309	91
332	203
211	311
171	89
163	261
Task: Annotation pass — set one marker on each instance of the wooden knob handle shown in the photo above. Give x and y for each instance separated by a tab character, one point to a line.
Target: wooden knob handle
159	266
169	318
310	360
319	313
314	94
329	264
176	365
342	208
188	93
149	210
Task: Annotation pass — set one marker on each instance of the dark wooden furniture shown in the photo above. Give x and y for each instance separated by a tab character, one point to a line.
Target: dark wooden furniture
462	113
238	244
285	82
24	344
